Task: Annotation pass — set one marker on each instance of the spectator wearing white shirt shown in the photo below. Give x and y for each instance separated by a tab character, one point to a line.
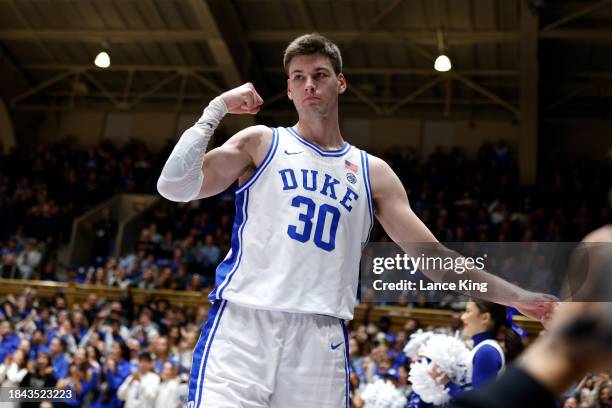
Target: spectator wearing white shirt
140	388
113	332
146	324
29	259
171	393
186	345
13	371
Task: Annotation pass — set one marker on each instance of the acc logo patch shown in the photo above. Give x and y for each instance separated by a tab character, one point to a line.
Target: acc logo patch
351	178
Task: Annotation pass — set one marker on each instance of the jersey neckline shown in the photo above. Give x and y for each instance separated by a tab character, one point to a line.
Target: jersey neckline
334	153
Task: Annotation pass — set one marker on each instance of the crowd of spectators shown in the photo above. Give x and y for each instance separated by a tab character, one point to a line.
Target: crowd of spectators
595	390
458	199
111	353
106	352
377	352
179	249
482	200
43	189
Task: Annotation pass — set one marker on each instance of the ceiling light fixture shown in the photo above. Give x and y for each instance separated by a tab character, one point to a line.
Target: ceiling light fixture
442	63
103	58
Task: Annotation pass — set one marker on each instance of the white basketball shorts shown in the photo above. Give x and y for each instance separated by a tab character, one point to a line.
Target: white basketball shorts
259	358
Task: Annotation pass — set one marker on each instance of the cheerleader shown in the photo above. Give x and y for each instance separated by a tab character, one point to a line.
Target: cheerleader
482	322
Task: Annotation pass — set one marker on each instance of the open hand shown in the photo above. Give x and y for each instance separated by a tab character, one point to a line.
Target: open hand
537	306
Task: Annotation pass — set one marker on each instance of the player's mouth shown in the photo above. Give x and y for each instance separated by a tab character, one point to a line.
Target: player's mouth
311	98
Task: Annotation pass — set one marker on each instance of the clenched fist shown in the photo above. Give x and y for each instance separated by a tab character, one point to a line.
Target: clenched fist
243	99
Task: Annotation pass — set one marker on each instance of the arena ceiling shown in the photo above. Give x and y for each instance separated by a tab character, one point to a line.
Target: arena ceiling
175	54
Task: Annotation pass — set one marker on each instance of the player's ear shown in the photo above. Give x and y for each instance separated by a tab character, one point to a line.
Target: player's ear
341	83
289	90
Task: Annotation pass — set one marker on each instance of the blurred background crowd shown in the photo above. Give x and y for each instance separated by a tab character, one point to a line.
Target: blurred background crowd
97	348
458	199
100	348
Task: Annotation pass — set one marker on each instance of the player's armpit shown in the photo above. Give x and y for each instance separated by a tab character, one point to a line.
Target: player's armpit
225	164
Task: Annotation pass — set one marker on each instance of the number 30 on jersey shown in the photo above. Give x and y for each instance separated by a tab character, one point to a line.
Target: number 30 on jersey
325	223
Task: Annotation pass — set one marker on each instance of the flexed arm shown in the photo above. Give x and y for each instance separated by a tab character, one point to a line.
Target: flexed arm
189	173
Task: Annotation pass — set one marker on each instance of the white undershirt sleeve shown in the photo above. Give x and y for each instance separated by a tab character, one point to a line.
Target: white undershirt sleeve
182	176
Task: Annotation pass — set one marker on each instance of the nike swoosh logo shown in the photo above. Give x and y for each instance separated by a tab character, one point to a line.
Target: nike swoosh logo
287	152
335	346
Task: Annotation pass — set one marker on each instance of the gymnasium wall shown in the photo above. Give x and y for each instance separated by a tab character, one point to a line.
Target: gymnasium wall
584	141
7	134
424	136
579	141
88	128
84	127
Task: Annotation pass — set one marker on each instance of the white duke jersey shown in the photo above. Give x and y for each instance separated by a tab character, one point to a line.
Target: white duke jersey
301	221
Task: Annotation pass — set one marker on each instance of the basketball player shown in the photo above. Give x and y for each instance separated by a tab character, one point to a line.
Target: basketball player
306	201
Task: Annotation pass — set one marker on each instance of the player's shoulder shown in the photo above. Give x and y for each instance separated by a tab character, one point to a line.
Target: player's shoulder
378	167
602	234
256	132
375	161
253	137
383	179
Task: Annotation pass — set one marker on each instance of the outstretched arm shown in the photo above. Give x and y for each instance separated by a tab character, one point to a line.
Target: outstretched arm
189	173
404	227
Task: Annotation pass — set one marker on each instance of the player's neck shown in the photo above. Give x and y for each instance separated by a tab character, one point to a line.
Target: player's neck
324	132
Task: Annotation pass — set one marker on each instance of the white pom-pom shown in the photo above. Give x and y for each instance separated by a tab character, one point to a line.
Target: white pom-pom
417	340
451	356
425	386
383	394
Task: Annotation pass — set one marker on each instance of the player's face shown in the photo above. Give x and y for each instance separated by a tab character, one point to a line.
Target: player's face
313	86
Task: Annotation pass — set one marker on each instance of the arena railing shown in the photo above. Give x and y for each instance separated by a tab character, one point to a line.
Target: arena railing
79	293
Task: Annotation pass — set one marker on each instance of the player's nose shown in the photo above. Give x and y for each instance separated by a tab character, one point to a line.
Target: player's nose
309	85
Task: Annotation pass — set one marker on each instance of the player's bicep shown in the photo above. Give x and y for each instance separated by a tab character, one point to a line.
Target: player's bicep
222	166
225	164
393	210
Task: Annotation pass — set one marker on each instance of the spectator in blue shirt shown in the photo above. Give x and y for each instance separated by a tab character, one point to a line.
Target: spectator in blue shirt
162	354
209	253
80	385
9	341
58	358
38	344
116	369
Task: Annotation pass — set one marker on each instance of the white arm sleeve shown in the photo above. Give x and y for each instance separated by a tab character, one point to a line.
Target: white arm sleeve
182	177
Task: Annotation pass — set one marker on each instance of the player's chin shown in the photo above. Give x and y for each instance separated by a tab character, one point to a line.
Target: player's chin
313	110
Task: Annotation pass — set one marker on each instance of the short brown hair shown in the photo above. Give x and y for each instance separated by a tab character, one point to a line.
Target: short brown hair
313	43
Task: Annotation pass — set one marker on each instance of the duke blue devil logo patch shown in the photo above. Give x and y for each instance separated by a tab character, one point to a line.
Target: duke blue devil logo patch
351	178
